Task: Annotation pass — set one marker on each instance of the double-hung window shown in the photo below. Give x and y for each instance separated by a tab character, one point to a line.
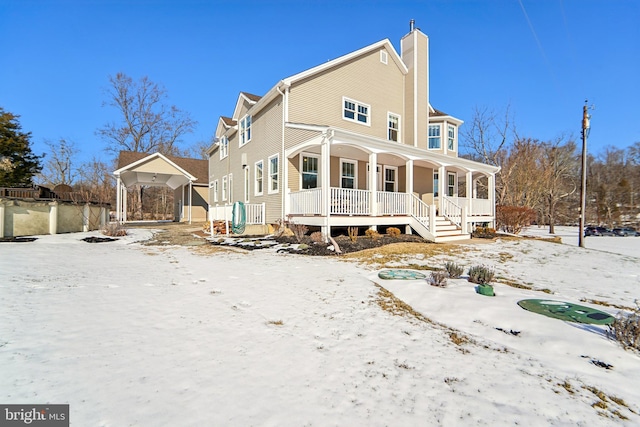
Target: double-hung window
348	173
390	178
393	133
224	147
355	111
451	137
224	188
245	130
451	184
214	190
434	136
273	173
436	184
258	178
309	171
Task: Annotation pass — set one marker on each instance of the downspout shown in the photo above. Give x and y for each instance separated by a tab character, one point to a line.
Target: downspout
285	166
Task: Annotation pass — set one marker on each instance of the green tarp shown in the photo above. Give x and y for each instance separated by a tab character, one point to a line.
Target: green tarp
567	311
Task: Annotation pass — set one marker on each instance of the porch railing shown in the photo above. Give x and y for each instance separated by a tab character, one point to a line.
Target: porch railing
306	202
450	210
475	207
255	213
420	211
346	201
390	203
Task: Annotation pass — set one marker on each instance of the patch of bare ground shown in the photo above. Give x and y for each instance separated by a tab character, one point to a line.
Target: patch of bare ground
395	252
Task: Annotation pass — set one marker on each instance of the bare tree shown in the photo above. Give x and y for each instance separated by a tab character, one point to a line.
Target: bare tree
485	138
146	123
560	167
60	166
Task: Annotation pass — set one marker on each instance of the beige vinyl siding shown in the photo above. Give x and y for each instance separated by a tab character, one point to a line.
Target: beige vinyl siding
266	141
294	173
319	100
294	137
156	165
423	89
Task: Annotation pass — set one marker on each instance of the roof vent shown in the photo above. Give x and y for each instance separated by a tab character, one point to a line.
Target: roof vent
412	25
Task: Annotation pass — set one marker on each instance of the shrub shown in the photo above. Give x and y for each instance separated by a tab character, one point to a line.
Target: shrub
299	230
114	229
353	233
438	278
454	270
513	218
318	237
372	233
480	274
484	233
393	231
626	329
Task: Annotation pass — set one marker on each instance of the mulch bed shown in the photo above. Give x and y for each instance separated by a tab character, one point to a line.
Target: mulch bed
346	244
94	239
17	239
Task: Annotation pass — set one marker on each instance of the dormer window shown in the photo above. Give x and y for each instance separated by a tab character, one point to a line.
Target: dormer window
245	130
355	111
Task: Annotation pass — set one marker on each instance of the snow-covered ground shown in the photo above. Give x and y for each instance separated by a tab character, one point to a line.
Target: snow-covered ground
133	335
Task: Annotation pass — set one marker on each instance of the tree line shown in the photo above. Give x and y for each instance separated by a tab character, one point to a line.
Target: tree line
545	176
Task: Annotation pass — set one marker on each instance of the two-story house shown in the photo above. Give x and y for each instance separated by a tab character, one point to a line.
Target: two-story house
352	142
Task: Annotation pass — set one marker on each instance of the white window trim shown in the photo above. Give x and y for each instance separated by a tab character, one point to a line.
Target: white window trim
384	178
214	185
224	147
439	137
384	57
455	183
316	156
271	190
355	171
243	130
357	104
389	113
225	187
453	148
436	184
255	180
230	189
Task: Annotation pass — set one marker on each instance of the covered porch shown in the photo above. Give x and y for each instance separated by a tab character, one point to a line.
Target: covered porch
337	185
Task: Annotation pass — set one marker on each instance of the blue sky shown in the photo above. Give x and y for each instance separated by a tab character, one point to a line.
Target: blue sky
541	57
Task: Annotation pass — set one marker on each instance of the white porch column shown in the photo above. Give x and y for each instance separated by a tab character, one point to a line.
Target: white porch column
373	184
469	190
442	181
492	197
2	220
119	200
325	179
86	216
190	199
409	184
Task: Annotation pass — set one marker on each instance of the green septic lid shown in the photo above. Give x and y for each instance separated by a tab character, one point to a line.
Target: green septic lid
567	311
401	275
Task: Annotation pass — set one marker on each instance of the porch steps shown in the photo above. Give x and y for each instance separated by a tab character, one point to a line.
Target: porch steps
446	231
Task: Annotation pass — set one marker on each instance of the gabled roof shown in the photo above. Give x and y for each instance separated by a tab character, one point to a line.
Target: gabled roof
191	169
342	59
242	98
228	121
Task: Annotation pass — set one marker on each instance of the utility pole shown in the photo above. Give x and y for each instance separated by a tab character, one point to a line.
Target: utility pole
583	185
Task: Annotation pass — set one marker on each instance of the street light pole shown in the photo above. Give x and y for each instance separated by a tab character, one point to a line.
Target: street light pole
583	186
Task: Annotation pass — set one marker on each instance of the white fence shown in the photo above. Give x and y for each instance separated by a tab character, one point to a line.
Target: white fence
345	201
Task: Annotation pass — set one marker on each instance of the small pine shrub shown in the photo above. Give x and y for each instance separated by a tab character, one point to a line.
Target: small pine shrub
353	233
318	237
372	233
438	278
114	229
454	270
626	329
480	274
393	231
